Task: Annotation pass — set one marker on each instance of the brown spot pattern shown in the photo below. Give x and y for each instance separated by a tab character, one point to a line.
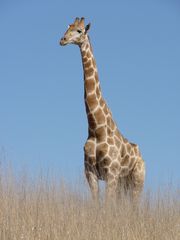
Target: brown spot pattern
100	134
117	133
113	152
110	141
117	142
96	77
109	132
92	160
101	101
105	162
124	171
94	63
99	116
90	85
85	59
125	161
88	54
101	150
123	151
114	168
92	101
110	123
91	121
105	109
89	72
87	64
89	148
98	93
128	146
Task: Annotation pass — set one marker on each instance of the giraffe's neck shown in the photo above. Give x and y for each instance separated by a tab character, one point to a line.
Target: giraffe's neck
96	107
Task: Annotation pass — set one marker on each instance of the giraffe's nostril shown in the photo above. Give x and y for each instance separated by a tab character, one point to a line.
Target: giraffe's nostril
63	41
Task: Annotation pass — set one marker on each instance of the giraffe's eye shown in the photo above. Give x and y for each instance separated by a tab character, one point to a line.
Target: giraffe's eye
79	31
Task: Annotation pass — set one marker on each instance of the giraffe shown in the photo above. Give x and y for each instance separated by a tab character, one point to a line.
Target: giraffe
108	155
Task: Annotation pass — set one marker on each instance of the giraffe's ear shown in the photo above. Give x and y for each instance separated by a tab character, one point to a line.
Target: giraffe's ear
87	27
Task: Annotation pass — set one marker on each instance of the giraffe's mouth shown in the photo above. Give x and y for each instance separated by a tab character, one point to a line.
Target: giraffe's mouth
63	42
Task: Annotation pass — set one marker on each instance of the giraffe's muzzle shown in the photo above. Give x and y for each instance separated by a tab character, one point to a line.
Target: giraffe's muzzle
63	41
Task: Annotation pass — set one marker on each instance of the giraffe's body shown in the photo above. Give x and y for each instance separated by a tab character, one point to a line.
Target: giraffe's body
108	155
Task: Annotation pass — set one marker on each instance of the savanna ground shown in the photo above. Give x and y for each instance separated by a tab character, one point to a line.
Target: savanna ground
47	209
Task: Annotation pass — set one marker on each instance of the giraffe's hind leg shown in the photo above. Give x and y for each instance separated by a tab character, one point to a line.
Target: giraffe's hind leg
137	178
124	186
111	188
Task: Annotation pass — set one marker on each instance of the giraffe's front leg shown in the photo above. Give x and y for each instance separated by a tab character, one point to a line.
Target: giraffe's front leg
90	167
93	183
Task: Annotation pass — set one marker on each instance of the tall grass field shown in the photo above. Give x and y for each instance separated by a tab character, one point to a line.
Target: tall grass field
47	209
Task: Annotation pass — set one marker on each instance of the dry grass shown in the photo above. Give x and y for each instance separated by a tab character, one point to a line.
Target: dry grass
47	210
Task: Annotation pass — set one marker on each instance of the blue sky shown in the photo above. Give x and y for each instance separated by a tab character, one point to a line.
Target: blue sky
42	115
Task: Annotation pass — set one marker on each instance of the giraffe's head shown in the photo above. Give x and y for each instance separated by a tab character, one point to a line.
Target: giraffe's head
76	33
